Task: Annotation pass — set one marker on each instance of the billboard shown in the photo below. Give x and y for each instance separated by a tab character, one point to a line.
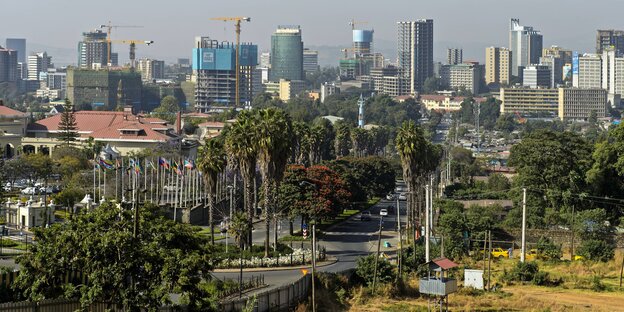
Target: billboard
575	63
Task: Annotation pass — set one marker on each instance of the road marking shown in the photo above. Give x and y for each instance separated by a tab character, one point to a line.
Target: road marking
349	233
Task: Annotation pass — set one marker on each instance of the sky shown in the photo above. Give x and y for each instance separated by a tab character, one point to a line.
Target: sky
56	25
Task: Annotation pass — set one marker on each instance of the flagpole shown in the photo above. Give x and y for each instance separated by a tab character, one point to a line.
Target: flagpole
145	181
116	181
94	164
99	182
122	180
104	182
158	181
175	204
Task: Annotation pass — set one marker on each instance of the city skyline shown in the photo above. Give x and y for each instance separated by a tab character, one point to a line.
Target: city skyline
457	25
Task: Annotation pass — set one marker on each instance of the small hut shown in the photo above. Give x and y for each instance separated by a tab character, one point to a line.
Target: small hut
437	284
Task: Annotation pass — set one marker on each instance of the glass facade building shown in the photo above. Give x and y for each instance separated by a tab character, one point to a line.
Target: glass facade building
286	54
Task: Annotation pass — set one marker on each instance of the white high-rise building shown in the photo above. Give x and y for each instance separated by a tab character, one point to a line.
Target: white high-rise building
587	71
525	44
265	59
38	63
151	69
454	56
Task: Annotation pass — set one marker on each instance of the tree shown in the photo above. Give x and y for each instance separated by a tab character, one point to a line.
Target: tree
241	143
360	138
452	225
211	161
300	143
596	234
606	176
365	269
169	106
274	144
498	183
68	128
342	144
123	271
431	85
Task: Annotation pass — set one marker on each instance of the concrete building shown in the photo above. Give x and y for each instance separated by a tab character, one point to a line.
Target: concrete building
50	94
13	125
528	100
587	71
19	45
287	54
22	71
537	76
525	44
30	214
415	54
38	63
362	41
310	61
444	102
386	80
610	38
57	80
497	65
8	65
151	69
454	56
467	75
578	104
556	51
327	89
289	89
265	59
104	89
214	68
555	65
93	50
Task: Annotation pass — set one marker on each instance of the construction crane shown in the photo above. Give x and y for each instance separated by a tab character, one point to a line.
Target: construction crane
237	23
353	23
109	28
133	44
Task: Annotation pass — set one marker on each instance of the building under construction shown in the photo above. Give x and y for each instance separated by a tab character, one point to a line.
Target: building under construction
104	89
214	67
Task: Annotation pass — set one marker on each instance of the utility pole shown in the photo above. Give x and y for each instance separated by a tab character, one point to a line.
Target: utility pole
314	265
398	207
377	255
489	286
523	249
427	225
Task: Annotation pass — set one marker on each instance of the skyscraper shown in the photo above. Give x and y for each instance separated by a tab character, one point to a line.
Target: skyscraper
497	65
610	38
454	56
8	65
19	45
525	44
310	61
93	49
286	54
151	69
415	54
362	41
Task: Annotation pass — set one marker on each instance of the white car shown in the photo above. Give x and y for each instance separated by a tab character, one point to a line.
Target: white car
390	196
402	196
30	191
383	212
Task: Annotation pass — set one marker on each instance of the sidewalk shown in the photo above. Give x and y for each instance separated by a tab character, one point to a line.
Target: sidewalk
330	261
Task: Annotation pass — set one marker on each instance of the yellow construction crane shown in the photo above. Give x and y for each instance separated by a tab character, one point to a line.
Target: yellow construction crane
353	23
109	28
237	23
133	44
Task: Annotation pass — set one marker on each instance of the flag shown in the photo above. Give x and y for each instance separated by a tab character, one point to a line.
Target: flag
189	164
179	168
106	164
137	167
163	162
151	164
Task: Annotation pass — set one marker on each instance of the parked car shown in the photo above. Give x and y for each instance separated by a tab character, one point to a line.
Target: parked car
497	253
383	212
390	196
30	191
402	196
365	216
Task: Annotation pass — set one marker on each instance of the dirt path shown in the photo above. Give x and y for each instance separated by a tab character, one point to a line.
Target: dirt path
575	300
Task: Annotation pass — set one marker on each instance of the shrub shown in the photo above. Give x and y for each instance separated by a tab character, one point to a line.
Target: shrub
366	267
597	250
522	272
597	284
547	249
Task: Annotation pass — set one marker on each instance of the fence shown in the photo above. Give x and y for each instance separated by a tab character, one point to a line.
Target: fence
283	298
65	305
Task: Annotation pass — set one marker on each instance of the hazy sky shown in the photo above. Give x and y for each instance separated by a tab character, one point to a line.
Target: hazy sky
471	24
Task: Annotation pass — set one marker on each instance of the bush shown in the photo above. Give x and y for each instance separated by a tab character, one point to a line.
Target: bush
522	272
597	250
597	284
366	267
548	250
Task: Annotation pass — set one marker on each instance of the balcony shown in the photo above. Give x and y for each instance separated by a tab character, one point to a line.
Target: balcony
439	287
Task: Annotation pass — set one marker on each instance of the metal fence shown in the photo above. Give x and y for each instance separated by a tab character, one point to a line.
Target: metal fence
65	305
284	298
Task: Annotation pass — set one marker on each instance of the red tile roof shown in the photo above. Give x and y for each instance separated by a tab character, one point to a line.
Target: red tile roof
444	263
107	125
5	111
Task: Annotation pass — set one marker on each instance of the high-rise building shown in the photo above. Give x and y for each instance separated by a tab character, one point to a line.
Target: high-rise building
57	80
362	42
214	68
586	71
610	38
8	65
19	45
151	69
454	56
565	55
536	76
497	65
265	59
38	63
310	61
287	54
527	100
462	76
104	89
525	44
22	71
385	80
415	54
93	50
555	65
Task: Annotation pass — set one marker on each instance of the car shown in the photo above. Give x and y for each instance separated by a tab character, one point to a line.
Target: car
390	196
365	216
578	258
402	196
497	253
383	212
531	255
30	191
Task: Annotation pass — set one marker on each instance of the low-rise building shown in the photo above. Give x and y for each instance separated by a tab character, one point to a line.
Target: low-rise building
444	103
578	104
29	214
528	100
12	128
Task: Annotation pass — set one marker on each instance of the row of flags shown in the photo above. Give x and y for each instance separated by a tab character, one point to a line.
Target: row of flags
135	164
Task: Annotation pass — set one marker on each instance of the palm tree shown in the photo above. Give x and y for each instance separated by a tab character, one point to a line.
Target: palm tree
241	143
274	132
212	160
